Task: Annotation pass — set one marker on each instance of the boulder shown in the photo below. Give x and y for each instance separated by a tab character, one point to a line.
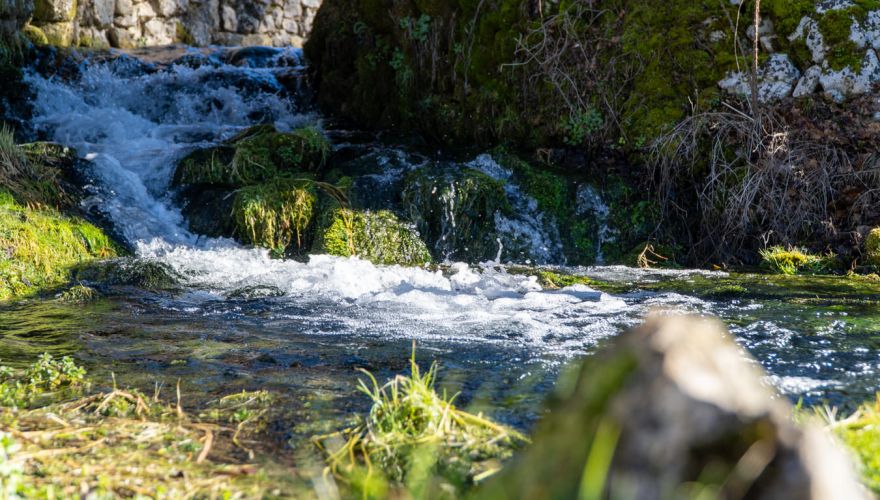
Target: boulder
59	34
379	237
53	11
675	409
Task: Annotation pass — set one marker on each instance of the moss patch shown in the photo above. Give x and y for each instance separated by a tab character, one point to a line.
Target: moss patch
795	261
40	247
379	237
258	154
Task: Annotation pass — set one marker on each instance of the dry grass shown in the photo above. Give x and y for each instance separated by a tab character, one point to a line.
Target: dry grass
757	182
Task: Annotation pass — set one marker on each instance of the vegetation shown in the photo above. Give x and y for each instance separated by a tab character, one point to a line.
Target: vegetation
415	438
255	155
795	261
274	214
379	237
59	439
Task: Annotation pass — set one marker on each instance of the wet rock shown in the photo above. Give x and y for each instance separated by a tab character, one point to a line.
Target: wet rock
146	274
379	237
671	409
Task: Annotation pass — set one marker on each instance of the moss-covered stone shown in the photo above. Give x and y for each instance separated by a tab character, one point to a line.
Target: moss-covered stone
35	35
255	155
275	214
455	211
379	237
40	247
141	273
872	247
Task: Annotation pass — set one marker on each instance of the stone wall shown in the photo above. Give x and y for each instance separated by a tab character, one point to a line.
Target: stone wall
143	23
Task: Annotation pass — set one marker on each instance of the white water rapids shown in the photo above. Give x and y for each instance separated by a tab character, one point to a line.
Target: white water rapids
133	121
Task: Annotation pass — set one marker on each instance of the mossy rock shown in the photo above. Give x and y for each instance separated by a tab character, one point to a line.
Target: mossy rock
380	237
455	210
275	214
35	35
255	155
40	247
141	273
872	247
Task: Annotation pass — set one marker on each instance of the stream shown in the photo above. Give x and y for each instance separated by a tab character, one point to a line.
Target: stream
242	320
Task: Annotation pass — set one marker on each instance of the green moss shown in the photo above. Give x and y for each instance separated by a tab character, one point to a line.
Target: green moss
795	261
836	27
183	35
142	273
274	214
40	247
78	293
35	35
258	154
379	237
872	247
861	434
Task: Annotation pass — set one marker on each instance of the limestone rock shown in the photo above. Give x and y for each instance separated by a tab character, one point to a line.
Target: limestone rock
124	8
53	11
100	12
676	407
121	38
60	34
229	19
776	79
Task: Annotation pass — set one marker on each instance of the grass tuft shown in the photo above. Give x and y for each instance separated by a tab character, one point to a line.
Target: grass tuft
791	261
414	436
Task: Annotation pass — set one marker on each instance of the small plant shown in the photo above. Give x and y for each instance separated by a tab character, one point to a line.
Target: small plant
412	428
418	29
791	261
47	375
78	294
582	126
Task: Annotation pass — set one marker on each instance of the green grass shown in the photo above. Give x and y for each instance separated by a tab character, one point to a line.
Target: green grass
791	261
415	438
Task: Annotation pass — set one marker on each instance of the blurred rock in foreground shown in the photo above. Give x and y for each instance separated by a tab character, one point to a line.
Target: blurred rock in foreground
674	409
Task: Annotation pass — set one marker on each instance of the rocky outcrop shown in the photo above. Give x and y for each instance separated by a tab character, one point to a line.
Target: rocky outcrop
673	409
829	47
142	23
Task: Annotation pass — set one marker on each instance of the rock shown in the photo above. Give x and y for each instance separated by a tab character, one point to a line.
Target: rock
840	84
809	82
121	38
808	29
35	35
168	8
53	11
59	34
256	41
124	8
379	237
229	19
100	12
159	32
776	79
144	11
670	409
872	247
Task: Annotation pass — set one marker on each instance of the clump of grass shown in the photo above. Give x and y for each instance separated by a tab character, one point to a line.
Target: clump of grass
78	294
270	215
414	436
378	236
860	431
33	182
791	261
40	247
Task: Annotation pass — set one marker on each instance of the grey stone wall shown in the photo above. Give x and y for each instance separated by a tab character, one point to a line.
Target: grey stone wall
144	23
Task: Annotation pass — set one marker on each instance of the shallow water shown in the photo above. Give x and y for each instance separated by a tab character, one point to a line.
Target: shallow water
244	321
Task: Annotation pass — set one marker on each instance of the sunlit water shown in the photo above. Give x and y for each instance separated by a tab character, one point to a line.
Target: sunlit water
499	337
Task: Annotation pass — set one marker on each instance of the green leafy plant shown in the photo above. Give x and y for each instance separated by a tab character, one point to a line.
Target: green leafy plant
792	261
581	126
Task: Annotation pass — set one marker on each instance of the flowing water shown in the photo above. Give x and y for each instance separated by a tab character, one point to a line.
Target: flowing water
242	320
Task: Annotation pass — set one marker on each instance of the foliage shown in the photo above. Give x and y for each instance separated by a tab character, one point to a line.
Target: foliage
272	214
255	155
379	237
794	261
41	247
121	443
872	247
78	293
46	376
414	436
